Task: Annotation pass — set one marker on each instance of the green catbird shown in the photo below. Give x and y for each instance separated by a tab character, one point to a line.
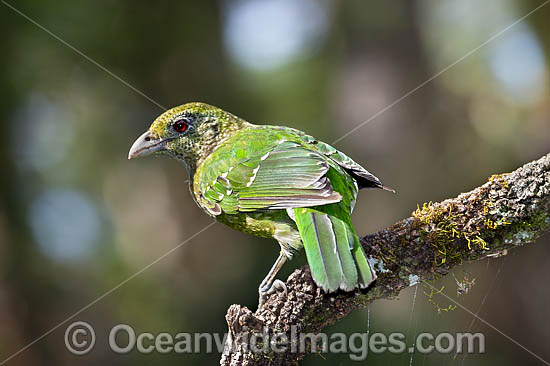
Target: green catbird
273	182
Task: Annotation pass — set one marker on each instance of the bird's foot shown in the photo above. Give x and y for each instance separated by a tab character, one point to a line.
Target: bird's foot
268	289
278	286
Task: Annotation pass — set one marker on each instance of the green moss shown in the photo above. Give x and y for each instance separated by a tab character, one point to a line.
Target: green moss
439	226
527	229
489	210
478	241
493	225
431	299
500	179
497	226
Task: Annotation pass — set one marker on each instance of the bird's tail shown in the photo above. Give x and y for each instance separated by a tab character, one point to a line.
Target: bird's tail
335	257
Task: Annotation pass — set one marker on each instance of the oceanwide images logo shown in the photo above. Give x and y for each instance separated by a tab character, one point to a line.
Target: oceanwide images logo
80	339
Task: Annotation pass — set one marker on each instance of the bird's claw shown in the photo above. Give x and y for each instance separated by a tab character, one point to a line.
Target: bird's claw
279	286
268	289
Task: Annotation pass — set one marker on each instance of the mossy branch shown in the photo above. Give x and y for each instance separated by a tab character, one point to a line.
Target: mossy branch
507	212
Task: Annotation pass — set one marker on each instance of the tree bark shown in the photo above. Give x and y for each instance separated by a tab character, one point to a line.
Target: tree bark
507	212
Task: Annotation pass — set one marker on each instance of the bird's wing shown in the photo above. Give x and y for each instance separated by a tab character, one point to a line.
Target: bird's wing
364	178
285	175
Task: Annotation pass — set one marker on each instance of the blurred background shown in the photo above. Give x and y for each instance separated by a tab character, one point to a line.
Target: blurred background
77	218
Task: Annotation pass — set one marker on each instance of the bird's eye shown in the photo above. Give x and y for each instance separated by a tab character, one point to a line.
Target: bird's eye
180	126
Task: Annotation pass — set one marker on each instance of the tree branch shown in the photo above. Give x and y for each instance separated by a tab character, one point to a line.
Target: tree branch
508	211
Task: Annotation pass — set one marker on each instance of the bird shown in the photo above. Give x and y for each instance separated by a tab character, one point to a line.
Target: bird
273	182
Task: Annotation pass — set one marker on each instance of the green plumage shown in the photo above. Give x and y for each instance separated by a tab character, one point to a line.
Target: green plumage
273	182
335	257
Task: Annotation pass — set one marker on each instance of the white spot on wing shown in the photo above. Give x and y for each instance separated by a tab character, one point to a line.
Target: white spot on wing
290	213
213	211
254	173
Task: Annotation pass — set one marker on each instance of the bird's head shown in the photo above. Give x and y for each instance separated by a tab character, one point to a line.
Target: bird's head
188	133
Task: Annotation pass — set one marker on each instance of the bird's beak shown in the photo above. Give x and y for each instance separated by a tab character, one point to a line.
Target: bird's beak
147	144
